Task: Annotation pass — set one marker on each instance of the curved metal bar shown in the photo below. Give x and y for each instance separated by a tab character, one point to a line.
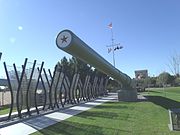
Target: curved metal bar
47	83
73	83
101	87
15	69
87	88
62	95
35	94
19	87
75	89
56	87
28	88
45	91
11	91
91	85
51	88
80	85
65	96
80	90
60	82
105	85
97	87
46	77
90	90
67	88
60	91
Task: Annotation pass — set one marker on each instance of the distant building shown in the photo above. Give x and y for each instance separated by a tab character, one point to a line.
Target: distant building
141	74
3	82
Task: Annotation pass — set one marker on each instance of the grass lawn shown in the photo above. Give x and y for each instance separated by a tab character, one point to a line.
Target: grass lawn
4	110
123	118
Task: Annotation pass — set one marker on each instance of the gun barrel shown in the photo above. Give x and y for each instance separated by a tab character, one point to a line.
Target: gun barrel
70	43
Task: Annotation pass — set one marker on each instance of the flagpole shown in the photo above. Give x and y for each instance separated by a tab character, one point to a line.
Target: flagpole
113	46
112	38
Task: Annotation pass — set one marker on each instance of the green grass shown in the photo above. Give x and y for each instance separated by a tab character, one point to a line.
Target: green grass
169	92
123	118
4	110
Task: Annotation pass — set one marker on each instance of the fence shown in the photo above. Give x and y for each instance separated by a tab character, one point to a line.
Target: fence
33	90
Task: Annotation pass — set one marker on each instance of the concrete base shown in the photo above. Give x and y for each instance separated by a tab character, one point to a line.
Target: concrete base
127	95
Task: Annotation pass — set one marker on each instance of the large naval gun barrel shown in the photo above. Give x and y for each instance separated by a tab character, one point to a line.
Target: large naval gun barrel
70	43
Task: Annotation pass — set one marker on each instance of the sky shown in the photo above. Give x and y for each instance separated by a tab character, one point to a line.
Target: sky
148	30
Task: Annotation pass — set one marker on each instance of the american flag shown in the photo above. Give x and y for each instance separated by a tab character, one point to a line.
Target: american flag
109	50
110	25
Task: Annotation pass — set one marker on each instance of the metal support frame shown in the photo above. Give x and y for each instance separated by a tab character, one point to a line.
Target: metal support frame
35	94
11	91
28	88
59	91
19	88
45	91
56	87
51	88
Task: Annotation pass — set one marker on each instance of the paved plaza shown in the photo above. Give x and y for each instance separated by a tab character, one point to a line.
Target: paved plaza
32	125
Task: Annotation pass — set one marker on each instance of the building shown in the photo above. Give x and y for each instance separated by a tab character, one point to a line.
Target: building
141	74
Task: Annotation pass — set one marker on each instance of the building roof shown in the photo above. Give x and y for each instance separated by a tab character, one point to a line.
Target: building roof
3	82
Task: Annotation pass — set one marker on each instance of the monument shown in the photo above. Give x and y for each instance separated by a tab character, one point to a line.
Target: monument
70	43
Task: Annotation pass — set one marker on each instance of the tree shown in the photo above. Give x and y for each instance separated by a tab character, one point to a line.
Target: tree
153	81
177	81
75	65
67	67
83	67
164	78
175	64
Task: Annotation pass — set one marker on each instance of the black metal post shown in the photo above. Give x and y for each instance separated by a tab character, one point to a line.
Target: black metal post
28	87
45	91
11	91
35	94
19	88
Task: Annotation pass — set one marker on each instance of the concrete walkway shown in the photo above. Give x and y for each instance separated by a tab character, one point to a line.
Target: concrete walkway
34	124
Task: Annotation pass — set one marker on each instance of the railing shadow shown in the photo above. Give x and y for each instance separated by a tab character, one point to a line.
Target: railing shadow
164	102
106	115
71	128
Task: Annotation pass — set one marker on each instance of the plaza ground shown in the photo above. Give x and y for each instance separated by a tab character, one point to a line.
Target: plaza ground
147	117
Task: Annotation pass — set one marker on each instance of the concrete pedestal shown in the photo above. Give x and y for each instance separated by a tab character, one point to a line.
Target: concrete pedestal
127	95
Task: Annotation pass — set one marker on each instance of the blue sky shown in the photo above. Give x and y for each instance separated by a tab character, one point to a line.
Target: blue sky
149	31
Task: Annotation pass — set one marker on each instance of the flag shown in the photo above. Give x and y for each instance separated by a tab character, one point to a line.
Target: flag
121	47
110	25
109	50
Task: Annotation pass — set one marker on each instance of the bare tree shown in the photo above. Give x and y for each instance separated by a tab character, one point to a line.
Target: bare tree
174	64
